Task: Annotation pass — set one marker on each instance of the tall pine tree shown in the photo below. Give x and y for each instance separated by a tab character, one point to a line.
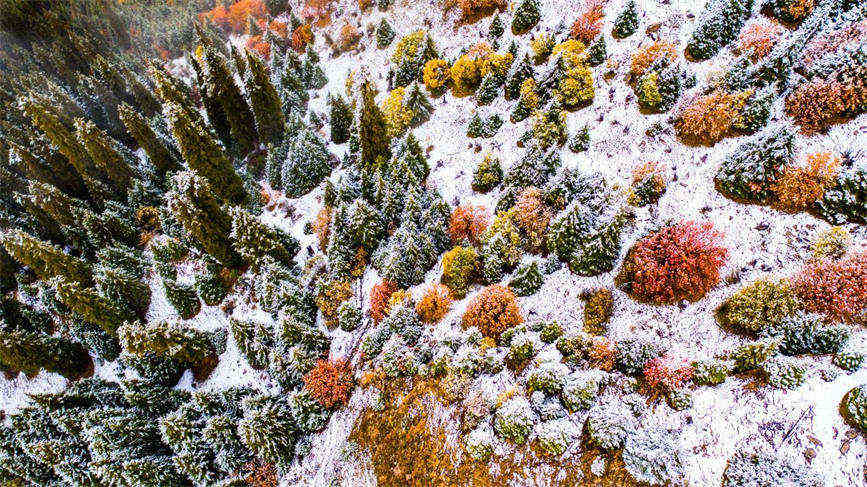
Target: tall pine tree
341	119
373	129
267	110
220	86
162	155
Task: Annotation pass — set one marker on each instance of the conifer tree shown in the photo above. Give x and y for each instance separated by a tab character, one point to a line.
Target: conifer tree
8	269
527	15
53	202
384	34
52	167
105	155
91	306
597	52
626	22
255	240
44	259
419	105
496	29
267	110
522	71
204	155
341	119
373	130
29	352
220	86
162	155
200	213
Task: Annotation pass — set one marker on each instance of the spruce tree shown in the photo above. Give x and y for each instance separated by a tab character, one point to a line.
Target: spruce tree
220	86
626	22
341	119
522	71
51	167
105	154
239	62
419	105
162	155
8	269
267	110
527	15
373	130
204	155
54	202
200	213
183	298
384	34
29	352
91	306
597	52
44	259
496	29
255	240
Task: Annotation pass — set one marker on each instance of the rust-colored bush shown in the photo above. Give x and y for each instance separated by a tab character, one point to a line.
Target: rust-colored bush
602	353
852	33
468	223
758	38
493	311
301	37
680	261
349	36
234	18
667	374
532	217
255	44
261	474
330	383
322	227
709	118
379	297
650	53
835	287
473	9
434	304
589	23
818	104
801	186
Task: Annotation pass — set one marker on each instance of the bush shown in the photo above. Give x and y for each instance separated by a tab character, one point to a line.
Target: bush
626	22
817	104
717	26
473	9
589	23
434	304
752	355
549	377
479	444
379	296
514	420
598	308
652	456
832	243
667	374
397	115
855	407
488	175
587	236
758	38
835	287
459	269
708	119
330	293
709	372
436	75
648	184
798	188
804	333
528	101
607	427
783	373
384	34
527	15
660	52
849	359
760	306
846	199
790	11
633	355
330	383
680	261
760	468
468	223
501	250
750	172
493	311
556	436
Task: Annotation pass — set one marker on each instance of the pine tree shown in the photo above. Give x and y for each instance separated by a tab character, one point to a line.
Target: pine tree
204	155
91	306
419	105
496	29
183	298
123	290
8	269
105	154
162	155
29	352
50	167
53	202
44	259
255	240
626	22
476	127
384	34
521	72
238	61
199	212
267	110
373	130
597	52
341	119
220	86
527	15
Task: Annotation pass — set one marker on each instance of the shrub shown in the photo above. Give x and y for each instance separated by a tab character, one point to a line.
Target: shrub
469	69
650	55
607	427
648	184
322	227
236	16
330	293
436	75
717	26
708	119
798	188
459	270
846	199
493	311
680	261
761	468
804	333
709	372
791	11
832	243
556	436
384	34
817	104
501	250
514	420
667	374
587	236
835	287
379	295
527	15
759	306
330	383
783	373
750	172
652	456
532	217
434	304
855	407
849	359
589	23
758	38
626	22
598	309
752	355
348	316
472	9
468	223
528	101
575	89
488	175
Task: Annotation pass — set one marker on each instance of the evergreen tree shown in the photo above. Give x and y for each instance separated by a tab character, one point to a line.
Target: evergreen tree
255	240
496	29
8	269
123	290
162	155
183	298
44	259
106	155
419	105
520	72
373	130
384	34
199	212
51	167
305	164
267	109
220	86
626	22
91	306
341	119
476	127
527	15
204	155
29	352
597	52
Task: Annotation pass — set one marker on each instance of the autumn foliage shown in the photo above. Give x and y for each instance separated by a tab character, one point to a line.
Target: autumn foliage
493	311
645	57
681	261
261	474
835	287
471	9
234	18
666	373
709	118
434	304
301	37
468	222
330	383
758	38
589	23
801	186
379	297
817	104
